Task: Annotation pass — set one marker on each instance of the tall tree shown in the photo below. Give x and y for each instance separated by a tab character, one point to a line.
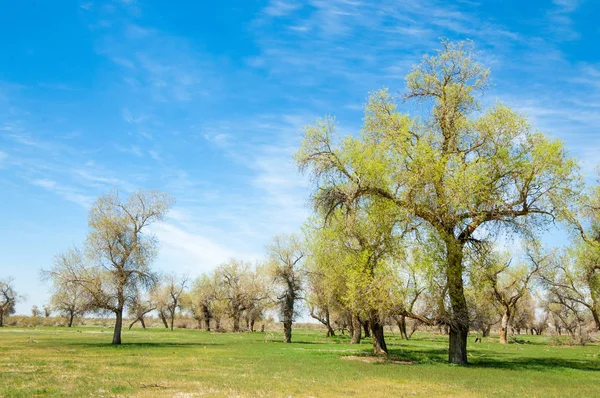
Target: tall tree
285	261
8	299
454	172
115	265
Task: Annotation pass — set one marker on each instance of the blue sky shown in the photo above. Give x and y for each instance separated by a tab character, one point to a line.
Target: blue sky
205	100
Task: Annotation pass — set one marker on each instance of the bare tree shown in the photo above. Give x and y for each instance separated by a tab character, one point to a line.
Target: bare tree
8	299
285	256
169	294
508	285
240	290
115	265
139	308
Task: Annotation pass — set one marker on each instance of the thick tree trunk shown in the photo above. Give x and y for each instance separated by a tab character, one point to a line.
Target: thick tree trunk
504	327
486	331
365	325
143	322
288	318
402	326
596	318
118	327
379	346
71	317
236	322
172	319
459	318
1	319
207	315
330	331
356	330
252	325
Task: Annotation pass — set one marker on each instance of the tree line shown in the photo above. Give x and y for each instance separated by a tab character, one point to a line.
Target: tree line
406	230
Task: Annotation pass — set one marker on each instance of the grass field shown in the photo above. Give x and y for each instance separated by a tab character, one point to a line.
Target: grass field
57	361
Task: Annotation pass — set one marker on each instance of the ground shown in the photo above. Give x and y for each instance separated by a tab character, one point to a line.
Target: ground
53	361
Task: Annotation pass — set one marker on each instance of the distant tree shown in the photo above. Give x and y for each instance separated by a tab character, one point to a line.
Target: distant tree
573	282
507	283
168	297
458	173
47	311
35	311
139	307
201	300
115	265
320	300
285	257
8	299
239	289
68	297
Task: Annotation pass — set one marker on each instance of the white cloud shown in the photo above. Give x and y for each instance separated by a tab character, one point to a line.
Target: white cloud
66	192
191	253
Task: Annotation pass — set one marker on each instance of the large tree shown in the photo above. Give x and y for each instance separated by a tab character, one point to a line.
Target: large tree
114	266
455	170
285	268
8	299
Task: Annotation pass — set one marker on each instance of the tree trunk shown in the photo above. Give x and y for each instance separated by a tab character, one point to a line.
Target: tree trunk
163	318
287	330
143	322
379	346
485	332
133	323
459	317
288	318
504	327
365	325
236	322
70	322
1	319
118	327
172	319
252	325
356	330
207	324
596	318
402	326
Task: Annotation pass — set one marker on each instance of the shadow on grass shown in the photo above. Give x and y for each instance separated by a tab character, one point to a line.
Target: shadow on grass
146	344
503	362
539	364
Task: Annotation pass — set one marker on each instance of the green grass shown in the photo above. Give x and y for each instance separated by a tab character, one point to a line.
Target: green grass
187	363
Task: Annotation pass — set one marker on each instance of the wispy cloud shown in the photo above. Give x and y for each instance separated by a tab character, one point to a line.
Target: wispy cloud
561	20
69	193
